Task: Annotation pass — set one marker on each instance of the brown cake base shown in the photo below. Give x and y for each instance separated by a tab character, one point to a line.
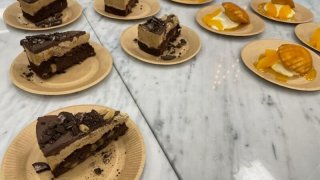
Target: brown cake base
171	36
56	65
45	12
120	12
82	154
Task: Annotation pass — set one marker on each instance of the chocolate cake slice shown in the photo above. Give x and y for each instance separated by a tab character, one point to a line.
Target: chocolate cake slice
38	10
53	53
155	35
120	7
68	139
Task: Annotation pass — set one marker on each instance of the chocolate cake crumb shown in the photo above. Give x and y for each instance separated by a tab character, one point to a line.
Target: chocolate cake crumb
168	57
28	75
106	157
98	171
40	167
54	20
181	43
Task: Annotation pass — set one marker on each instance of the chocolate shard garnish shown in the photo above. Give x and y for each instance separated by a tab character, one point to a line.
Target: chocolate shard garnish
155	35
40	167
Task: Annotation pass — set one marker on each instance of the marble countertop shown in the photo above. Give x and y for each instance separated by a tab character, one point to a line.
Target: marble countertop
208	118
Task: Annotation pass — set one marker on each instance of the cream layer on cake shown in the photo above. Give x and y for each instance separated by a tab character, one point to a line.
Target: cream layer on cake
154	40
58	50
118	4
33	8
92	138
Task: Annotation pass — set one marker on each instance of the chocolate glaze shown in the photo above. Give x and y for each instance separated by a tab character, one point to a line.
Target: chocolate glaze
55	132
38	43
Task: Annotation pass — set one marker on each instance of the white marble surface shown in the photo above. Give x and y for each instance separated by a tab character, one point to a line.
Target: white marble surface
214	118
19	108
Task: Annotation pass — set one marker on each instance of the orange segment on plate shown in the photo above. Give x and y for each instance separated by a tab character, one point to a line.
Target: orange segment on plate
207	19
311	75
270	58
215	23
315	39
271	10
284	12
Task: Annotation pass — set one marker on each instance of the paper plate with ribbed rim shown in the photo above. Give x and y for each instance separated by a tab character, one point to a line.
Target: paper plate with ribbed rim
193	2
130	46
13	17
143	9
250	55
256	25
305	31
302	14
76	78
126	156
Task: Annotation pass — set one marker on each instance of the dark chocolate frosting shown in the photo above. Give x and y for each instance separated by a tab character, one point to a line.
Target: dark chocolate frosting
38	43
54	132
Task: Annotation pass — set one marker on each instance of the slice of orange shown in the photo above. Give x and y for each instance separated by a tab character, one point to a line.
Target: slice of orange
284	12
270	58
271	10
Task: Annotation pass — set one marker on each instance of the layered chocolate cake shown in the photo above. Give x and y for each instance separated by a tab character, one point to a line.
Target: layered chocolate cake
53	53
120	7
155	35
38	10
68	139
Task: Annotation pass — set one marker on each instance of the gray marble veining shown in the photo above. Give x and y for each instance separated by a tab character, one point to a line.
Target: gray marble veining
19	108
215	118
